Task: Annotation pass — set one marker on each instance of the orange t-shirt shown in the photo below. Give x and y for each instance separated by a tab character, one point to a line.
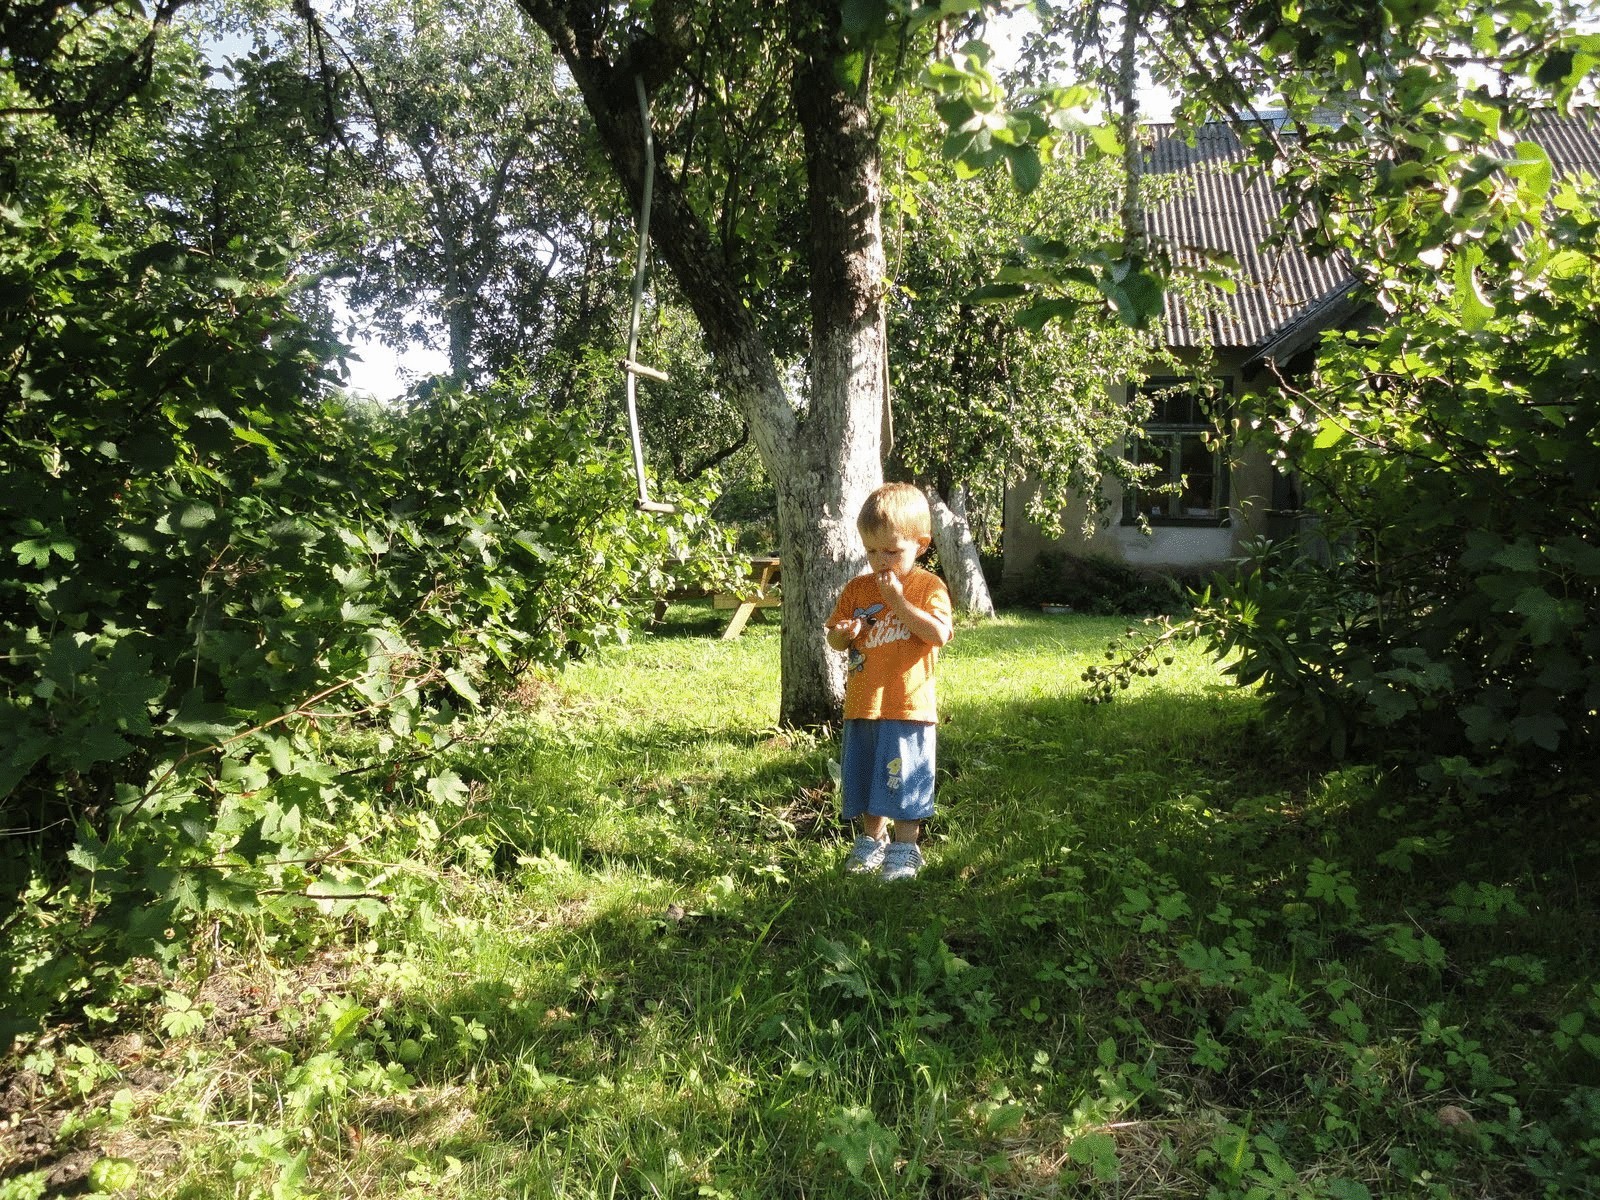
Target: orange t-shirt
891	671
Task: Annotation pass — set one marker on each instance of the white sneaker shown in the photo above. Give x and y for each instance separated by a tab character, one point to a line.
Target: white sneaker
866	856
901	860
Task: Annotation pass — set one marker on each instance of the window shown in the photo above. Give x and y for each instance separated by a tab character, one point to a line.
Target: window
1181	440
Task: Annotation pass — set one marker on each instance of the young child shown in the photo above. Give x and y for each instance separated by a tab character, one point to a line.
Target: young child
892	620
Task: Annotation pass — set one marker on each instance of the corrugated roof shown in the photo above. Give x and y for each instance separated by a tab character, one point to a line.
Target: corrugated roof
1225	205
1573	143
1222	205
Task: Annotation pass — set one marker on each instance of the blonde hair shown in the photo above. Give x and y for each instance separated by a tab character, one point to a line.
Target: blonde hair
896	508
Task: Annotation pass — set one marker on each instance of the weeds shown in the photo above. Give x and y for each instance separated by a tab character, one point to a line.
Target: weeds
617	958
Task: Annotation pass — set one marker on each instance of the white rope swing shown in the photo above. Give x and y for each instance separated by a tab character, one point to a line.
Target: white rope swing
632	369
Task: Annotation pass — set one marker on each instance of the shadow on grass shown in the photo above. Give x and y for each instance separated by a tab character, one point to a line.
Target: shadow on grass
1141	908
743	935
699	619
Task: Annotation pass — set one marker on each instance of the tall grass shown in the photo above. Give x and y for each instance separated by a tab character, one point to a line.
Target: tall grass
1150	955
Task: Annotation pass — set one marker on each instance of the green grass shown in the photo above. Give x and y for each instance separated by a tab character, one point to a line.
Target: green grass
1151	954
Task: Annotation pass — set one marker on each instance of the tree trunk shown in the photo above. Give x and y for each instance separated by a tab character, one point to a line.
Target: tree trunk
825	458
843	425
958	553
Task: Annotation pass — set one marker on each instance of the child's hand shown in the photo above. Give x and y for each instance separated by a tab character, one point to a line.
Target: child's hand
889	584
843	633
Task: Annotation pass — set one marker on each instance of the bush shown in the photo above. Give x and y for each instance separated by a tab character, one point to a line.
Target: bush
213	563
1455	453
1099	586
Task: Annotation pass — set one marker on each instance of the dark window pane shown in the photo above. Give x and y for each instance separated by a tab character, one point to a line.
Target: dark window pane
1174	443
1199	478
1175	408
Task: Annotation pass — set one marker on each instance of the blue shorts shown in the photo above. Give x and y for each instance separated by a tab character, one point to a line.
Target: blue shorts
886	770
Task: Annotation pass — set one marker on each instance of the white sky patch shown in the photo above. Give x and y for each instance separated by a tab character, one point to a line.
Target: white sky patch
385	373
1004	34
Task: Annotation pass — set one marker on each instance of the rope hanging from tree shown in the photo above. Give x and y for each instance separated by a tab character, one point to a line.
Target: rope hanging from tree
632	369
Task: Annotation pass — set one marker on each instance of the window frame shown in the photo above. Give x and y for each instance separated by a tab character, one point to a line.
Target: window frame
1219	393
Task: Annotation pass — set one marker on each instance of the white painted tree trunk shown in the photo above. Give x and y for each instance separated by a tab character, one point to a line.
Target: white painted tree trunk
958	553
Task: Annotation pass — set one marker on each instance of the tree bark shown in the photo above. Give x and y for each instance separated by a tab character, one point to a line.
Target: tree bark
958	553
843	425
823	455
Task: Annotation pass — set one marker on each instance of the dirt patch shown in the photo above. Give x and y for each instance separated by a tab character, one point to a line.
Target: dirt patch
43	1105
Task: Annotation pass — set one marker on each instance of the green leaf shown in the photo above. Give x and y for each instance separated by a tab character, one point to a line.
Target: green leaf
1532	171
959	117
280	751
36	551
447	788
1106	139
1097	1151
91	743
344	1025
294	1173
22	753
1003	1119
252	845
995	293
256	438
1555	69
1543	730
1329	434
1519	556
1487	115
352	613
1473	307
462	686
230	893
1484	726
1544	617
1026	169
1041	312
187	514
1046	247
851	70
1137	297
92	854
200	720
127	688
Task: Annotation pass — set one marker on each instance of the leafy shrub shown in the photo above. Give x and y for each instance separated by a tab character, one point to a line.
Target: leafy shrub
1455	452
1099	586
212	564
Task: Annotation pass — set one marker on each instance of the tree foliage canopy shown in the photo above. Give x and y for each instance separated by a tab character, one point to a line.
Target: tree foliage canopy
986	392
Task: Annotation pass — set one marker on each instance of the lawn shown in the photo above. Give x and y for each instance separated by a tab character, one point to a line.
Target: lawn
1152	954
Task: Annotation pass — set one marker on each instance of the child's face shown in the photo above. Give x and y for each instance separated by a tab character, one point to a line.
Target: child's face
889	551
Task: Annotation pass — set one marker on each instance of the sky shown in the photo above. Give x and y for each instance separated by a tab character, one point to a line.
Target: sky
385	373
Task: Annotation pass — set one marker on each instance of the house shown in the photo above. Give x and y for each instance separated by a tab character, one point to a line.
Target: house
1285	301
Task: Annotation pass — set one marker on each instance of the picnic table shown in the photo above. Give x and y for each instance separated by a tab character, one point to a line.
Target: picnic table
764	572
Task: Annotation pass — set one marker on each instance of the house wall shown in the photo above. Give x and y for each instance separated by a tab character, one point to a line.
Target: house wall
1166	547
